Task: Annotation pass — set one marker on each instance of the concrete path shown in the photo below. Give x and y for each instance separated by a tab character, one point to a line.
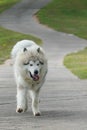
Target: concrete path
63	97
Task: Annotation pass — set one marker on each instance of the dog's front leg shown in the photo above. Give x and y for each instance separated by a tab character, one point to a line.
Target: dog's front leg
35	102
21	99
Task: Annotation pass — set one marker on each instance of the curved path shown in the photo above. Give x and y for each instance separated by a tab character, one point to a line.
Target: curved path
64	96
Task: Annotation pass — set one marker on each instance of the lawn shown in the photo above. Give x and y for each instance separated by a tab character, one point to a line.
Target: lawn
5	4
9	38
77	63
69	16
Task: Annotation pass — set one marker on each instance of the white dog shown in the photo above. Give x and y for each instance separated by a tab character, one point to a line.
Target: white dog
30	68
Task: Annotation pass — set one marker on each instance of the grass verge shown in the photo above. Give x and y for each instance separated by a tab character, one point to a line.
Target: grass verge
77	63
9	38
5	4
68	16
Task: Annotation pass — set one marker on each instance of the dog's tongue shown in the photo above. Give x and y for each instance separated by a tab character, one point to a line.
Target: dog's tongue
36	77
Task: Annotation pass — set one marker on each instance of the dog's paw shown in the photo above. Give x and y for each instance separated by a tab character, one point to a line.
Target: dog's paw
37	114
19	110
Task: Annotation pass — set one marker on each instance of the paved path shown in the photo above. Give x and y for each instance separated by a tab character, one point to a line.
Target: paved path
63	97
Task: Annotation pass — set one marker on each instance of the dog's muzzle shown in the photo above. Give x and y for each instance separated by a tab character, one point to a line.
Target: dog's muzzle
35	77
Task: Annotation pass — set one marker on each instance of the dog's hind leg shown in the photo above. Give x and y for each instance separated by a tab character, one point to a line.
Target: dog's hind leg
35	102
21	99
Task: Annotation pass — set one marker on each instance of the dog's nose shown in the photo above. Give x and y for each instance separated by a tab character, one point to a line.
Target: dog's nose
36	72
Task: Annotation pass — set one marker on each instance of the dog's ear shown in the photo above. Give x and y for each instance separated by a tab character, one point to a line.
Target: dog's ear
42	63
38	50
25	49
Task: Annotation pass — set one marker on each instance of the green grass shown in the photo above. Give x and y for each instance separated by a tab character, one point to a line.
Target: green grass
8	39
77	63
5	4
68	16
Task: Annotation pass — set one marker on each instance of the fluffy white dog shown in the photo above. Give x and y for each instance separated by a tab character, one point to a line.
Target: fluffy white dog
30	68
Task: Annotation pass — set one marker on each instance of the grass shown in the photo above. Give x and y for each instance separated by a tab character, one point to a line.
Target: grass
68	16
5	4
77	63
9	38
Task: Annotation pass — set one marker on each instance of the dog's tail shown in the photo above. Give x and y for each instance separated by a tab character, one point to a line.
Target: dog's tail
20	46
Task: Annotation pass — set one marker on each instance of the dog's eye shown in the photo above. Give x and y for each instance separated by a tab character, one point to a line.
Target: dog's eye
26	63
37	64
31	64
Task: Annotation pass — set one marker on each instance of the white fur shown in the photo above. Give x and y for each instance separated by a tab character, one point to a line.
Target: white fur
26	63
20	45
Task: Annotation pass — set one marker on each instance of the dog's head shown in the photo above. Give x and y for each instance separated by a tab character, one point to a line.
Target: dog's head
32	63
33	68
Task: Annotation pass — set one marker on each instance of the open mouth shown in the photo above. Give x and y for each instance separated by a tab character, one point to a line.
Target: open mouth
35	77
